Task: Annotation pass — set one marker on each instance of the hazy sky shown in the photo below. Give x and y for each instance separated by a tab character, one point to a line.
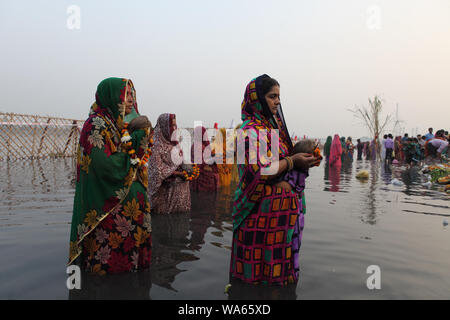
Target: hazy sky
194	58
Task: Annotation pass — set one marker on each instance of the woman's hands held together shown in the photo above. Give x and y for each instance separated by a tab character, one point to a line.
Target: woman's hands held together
304	161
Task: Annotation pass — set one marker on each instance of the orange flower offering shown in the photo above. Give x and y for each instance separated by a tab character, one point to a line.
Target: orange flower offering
317	154
195	173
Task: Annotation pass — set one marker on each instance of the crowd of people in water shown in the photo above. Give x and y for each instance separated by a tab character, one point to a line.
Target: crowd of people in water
410	150
126	174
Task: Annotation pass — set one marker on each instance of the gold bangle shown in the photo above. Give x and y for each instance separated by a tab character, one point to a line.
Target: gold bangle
290	163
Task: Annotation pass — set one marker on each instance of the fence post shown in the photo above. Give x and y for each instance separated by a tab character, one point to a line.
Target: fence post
43	136
33	148
8	148
74	127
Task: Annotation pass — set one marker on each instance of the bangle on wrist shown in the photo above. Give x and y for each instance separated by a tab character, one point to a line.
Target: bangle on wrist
290	163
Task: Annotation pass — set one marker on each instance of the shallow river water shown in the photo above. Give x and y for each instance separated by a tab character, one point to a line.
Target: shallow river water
349	226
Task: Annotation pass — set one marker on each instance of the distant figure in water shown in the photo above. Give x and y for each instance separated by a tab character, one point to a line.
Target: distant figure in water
335	164
209	173
366	151
344	151
398	149
349	147
359	149
336	152
327	148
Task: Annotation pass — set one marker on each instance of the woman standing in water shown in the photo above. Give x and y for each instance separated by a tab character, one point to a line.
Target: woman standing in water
398	149
111	224
267	221
344	151
327	148
209	173
335	164
168	189
349	147
224	169
336	152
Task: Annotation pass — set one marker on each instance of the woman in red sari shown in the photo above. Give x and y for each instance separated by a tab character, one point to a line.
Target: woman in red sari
209	173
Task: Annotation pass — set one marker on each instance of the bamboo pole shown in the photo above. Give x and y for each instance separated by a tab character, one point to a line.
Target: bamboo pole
43	136
74	127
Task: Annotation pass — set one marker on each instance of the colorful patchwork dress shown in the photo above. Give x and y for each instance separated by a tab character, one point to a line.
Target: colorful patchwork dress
111	223
267	221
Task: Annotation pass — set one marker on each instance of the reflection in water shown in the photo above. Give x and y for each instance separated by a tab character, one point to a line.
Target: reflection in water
346	171
223	210
370	214
243	291
130	286
326	175
44	180
386	173
339	179
177	237
169	238
191	251
335	177
203	211
410	177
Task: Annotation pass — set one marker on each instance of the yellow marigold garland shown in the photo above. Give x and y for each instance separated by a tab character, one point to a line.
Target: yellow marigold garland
126	140
195	173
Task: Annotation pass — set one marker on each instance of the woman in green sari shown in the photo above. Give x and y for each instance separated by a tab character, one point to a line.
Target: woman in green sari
327	148
111	223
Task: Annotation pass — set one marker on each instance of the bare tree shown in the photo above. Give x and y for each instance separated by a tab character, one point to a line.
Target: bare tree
371	118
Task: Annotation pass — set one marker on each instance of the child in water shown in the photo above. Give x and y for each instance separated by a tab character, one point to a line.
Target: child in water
296	178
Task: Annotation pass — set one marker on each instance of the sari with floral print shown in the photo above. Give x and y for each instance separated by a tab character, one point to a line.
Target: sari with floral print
111	223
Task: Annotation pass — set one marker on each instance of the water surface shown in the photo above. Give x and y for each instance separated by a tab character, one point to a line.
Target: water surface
349	225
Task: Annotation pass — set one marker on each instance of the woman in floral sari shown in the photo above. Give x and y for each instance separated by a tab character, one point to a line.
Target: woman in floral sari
209	173
111	223
267	220
168	190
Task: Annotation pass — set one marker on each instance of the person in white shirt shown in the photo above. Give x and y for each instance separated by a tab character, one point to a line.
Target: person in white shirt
437	145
